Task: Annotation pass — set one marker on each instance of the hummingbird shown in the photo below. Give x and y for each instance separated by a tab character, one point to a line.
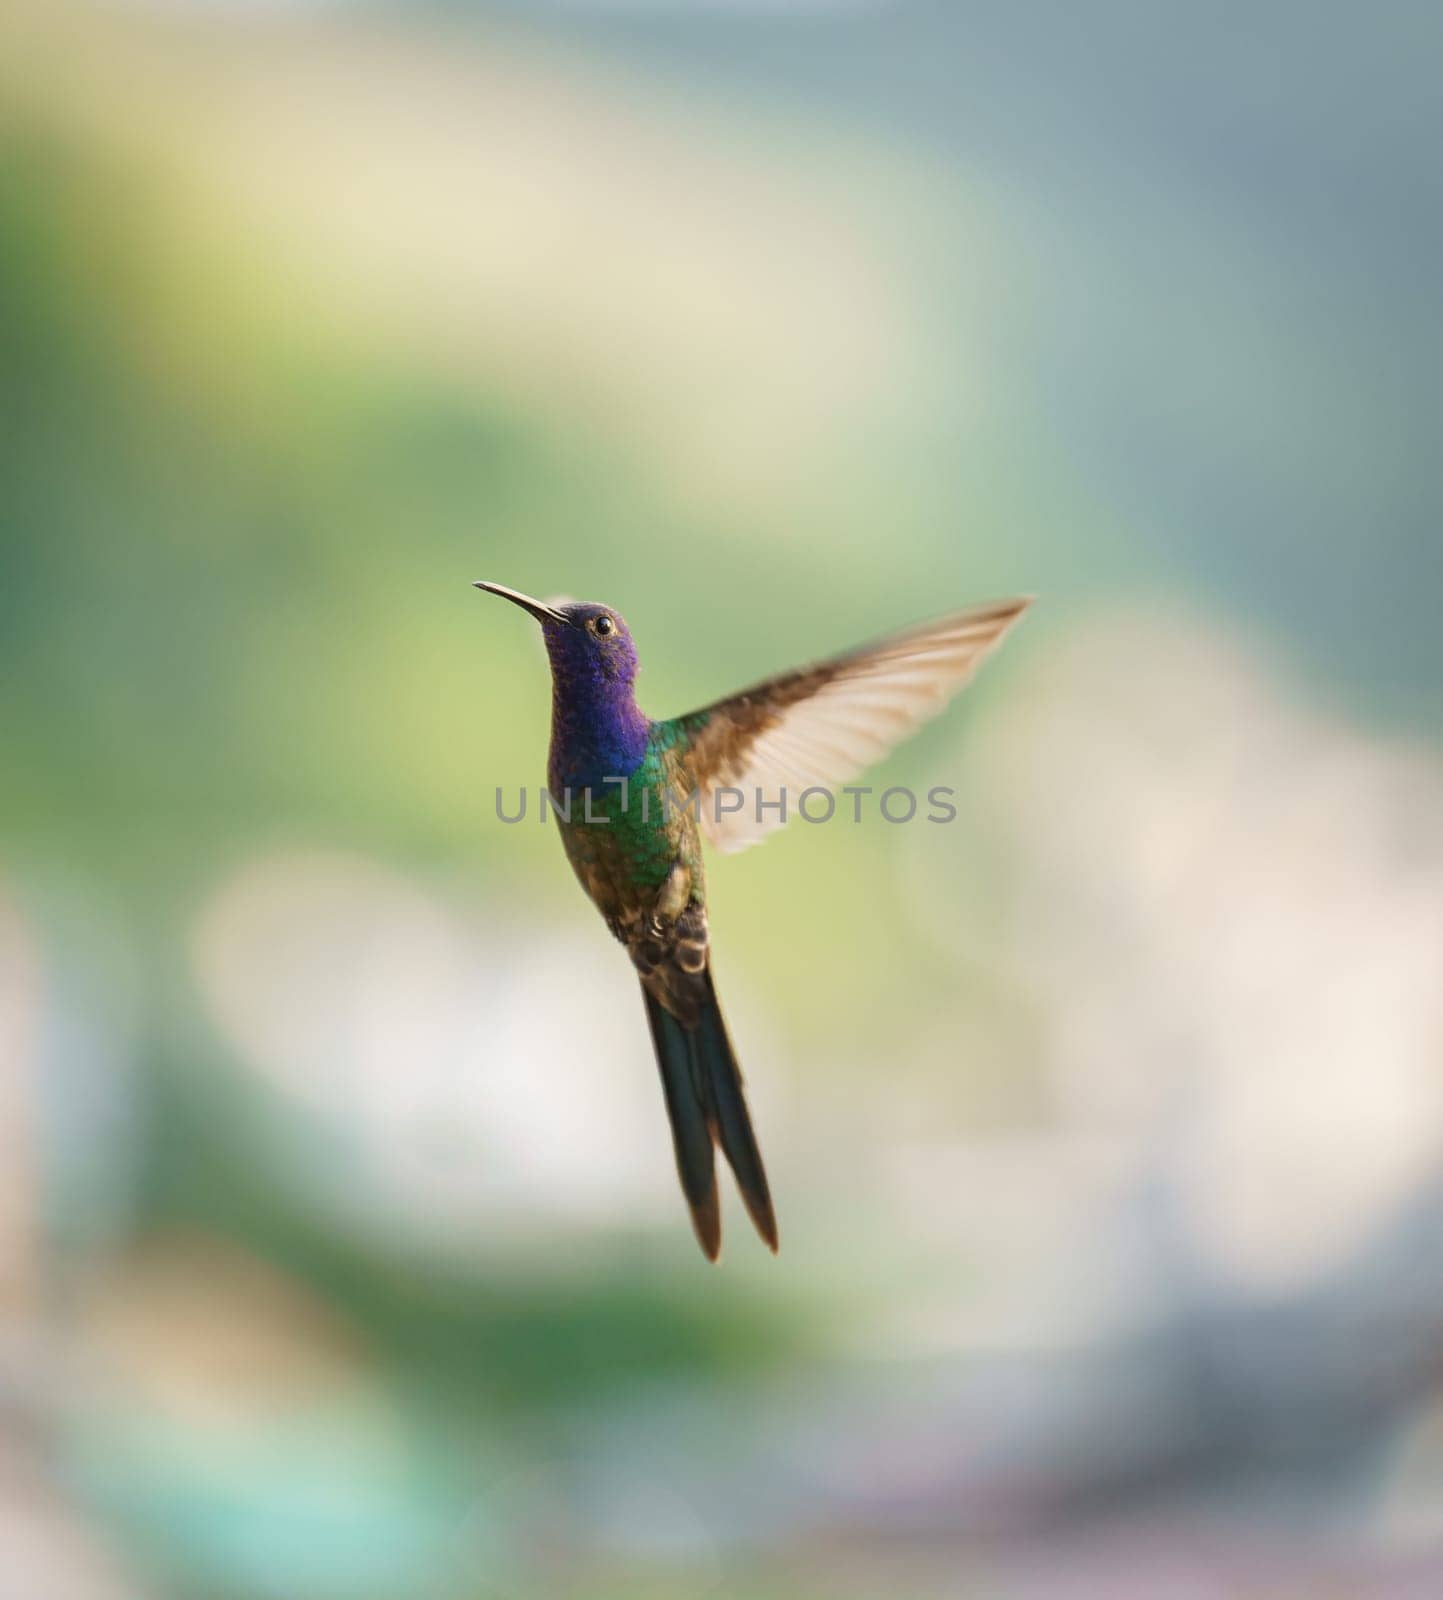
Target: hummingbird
635	799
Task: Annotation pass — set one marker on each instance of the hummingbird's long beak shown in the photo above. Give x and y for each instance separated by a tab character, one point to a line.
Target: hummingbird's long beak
540	612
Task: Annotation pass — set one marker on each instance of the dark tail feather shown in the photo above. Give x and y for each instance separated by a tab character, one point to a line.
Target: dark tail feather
690	1126
731	1120
706	1104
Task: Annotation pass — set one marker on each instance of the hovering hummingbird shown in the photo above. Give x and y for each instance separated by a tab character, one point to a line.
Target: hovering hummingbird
636	844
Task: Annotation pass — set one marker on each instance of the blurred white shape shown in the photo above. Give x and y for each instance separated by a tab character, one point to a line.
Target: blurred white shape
49	1548
20	1002
1001	1204
471	1069
1409	1513
654	1521
1227	915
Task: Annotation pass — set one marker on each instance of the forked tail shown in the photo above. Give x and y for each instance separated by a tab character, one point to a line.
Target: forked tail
707	1107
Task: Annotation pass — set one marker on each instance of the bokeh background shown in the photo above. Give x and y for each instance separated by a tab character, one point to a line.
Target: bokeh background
340	1252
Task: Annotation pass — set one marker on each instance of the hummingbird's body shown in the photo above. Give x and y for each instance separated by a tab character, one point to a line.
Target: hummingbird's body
634	798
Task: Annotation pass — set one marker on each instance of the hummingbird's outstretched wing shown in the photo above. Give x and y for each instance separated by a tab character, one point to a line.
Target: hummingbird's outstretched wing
821	725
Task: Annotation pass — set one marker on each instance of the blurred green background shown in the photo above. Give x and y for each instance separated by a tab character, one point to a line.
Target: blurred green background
340	1252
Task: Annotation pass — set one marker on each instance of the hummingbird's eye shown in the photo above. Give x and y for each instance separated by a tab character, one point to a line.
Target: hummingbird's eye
603	626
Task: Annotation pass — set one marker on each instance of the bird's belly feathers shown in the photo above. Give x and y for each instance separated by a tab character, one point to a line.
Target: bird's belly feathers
622	858
623	841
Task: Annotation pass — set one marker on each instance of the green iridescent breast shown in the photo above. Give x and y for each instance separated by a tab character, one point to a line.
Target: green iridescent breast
636	833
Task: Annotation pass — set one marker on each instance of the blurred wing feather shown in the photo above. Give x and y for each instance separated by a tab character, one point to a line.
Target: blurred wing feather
820	726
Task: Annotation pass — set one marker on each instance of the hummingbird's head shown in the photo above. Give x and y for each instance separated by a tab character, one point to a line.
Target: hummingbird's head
583	639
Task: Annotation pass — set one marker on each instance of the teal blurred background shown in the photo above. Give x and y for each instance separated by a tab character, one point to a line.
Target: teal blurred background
340	1252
